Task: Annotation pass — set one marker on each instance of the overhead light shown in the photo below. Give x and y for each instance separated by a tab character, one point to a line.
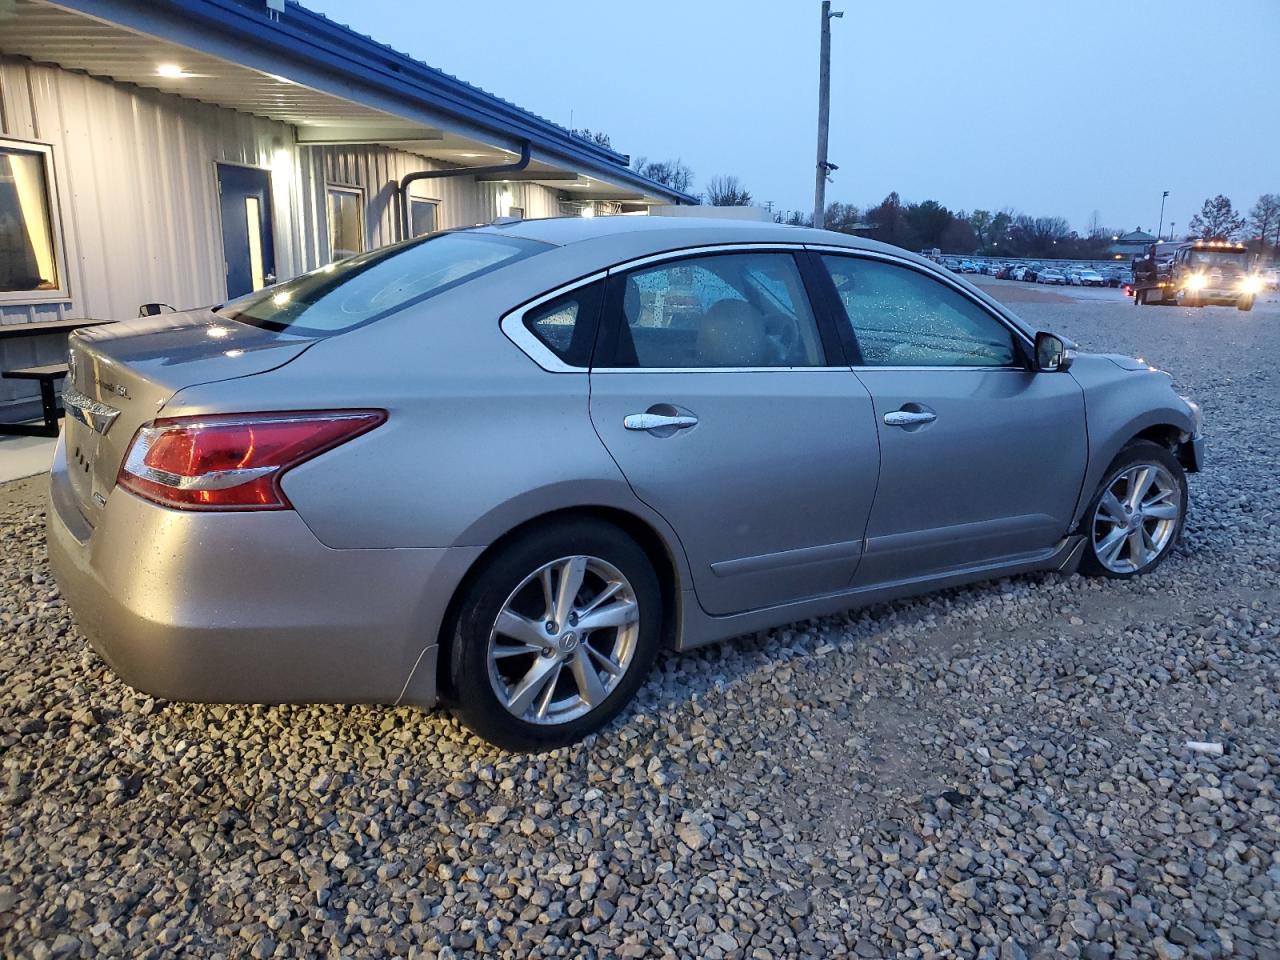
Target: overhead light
471	154
588	212
171	70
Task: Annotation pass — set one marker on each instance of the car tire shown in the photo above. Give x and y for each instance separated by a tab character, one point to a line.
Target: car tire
519	699
1245	304
1119	544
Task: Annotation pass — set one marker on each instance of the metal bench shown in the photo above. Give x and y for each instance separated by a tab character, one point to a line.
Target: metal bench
47	375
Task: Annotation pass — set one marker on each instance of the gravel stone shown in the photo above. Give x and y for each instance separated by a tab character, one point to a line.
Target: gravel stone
1008	770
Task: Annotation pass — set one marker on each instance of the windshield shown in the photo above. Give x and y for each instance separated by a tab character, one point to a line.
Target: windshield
1218	259
364	288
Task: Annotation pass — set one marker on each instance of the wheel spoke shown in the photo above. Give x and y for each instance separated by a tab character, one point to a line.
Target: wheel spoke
1160	511
1113	508
589	685
532	683
548	594
607	663
504	651
1139	484
617	614
608	593
511	624
1109	549
549	691
1137	548
571	573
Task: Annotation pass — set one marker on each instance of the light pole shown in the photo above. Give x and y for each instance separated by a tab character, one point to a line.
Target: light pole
1171	231
1160	229
824	116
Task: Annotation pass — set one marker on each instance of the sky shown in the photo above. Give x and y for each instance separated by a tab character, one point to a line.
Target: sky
1052	109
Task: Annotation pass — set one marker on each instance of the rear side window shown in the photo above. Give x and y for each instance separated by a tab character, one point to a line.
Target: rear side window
567	324
367	287
721	310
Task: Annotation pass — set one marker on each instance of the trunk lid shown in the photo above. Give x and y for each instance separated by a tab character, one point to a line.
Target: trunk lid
124	373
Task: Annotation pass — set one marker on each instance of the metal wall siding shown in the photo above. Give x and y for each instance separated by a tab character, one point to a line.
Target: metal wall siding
138	211
462	200
137	196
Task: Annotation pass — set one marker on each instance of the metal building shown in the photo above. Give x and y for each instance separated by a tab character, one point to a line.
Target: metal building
187	151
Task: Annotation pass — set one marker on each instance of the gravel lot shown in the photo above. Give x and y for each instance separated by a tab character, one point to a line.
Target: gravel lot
998	771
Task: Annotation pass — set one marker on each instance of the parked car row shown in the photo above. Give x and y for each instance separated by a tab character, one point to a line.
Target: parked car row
1039	273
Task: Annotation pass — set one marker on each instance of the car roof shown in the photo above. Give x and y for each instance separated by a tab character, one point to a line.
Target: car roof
641	235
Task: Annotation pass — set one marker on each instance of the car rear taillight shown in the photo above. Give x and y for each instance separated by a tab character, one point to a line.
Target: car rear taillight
232	462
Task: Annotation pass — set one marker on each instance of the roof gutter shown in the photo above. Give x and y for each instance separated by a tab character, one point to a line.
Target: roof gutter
408	179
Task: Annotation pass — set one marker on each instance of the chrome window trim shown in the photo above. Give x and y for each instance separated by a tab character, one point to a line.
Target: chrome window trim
683	252
951	366
721	369
936	274
512	325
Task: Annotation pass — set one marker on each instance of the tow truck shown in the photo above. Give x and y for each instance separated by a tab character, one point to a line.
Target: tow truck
1195	273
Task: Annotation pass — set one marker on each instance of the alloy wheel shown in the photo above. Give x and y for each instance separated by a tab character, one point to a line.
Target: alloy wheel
563	640
1136	517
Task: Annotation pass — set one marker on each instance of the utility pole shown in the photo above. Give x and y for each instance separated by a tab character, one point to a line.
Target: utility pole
1160	229
824	116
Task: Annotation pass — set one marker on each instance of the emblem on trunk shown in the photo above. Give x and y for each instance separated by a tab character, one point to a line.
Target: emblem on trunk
94	414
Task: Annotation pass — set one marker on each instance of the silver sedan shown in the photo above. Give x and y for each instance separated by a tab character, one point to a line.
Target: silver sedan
501	468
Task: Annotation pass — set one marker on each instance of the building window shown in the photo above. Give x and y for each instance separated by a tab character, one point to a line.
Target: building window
422	216
346	221
28	247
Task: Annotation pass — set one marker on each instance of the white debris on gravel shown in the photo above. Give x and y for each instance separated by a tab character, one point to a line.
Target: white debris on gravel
1002	771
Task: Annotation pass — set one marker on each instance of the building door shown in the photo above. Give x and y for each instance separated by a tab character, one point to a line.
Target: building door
248	246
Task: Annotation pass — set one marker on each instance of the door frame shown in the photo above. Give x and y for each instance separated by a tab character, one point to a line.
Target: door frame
217	214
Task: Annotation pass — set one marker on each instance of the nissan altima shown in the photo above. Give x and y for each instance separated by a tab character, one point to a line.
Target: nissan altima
499	469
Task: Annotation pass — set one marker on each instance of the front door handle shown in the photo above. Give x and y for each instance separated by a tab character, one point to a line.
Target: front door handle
657	421
909	418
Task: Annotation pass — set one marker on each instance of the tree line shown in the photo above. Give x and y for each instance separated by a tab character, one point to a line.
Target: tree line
1005	232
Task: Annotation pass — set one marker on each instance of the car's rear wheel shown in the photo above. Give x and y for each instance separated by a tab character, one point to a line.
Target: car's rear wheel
554	636
1137	515
1245	303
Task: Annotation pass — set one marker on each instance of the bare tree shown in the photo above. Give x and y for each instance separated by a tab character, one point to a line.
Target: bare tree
727	191
1217	219
671	173
592	136
1264	219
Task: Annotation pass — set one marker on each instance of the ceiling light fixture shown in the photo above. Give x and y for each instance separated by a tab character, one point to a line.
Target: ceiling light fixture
171	70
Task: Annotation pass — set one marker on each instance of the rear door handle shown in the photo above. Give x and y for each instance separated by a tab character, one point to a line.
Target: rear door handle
909	418
657	421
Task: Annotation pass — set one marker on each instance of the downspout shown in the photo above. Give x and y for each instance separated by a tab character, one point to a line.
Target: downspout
409	178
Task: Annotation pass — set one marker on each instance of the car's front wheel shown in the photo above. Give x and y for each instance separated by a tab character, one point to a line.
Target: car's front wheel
1136	517
554	635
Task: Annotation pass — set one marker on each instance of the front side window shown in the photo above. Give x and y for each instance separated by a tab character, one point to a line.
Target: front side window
367	287
346	221
905	318
725	310
28	257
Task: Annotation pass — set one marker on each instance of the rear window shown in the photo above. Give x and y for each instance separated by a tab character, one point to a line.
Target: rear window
365	288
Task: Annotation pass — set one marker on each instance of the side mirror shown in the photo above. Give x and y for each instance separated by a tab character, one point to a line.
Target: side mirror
1053	353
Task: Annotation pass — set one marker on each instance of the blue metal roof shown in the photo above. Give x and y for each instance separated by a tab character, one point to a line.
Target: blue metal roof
321	43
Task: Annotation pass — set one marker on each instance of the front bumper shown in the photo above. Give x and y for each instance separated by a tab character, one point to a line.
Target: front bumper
248	607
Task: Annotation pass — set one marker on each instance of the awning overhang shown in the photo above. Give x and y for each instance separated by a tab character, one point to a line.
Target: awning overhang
334	85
